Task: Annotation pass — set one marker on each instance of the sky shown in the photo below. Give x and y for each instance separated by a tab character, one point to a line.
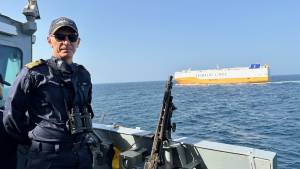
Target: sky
148	40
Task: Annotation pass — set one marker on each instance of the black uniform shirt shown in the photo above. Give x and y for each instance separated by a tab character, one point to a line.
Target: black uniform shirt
47	92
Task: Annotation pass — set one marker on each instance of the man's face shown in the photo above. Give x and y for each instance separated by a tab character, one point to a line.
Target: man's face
64	47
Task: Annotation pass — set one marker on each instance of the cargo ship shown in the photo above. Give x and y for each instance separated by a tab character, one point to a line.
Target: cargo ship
255	73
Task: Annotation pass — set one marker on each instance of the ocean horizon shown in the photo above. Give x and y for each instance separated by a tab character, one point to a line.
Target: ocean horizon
273	77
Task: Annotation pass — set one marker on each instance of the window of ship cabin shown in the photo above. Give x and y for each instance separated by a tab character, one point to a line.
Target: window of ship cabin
10	65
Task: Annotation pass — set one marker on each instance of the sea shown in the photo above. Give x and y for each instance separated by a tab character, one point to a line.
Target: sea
264	116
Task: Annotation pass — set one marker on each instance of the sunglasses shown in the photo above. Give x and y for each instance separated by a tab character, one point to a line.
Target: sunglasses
61	37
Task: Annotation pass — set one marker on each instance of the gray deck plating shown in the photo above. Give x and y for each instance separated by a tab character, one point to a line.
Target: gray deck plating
213	155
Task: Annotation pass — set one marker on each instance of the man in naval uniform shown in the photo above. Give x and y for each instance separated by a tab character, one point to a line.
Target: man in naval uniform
8	146
49	105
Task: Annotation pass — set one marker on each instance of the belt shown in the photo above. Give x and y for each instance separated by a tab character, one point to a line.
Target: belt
38	146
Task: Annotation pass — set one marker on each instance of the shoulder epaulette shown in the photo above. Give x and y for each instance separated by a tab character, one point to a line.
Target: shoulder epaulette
82	67
79	66
34	63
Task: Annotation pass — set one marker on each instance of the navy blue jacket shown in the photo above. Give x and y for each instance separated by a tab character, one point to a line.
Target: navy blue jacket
41	97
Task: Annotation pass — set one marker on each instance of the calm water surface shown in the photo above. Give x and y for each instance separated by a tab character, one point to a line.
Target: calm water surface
264	116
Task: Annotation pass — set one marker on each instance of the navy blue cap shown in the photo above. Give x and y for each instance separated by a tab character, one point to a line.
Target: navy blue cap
62	22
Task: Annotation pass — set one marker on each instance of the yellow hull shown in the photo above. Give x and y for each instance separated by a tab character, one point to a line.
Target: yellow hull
193	80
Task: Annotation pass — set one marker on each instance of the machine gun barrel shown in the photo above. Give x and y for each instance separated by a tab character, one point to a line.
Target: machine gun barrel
163	130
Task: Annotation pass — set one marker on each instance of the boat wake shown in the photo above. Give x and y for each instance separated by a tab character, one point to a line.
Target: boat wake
285	82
